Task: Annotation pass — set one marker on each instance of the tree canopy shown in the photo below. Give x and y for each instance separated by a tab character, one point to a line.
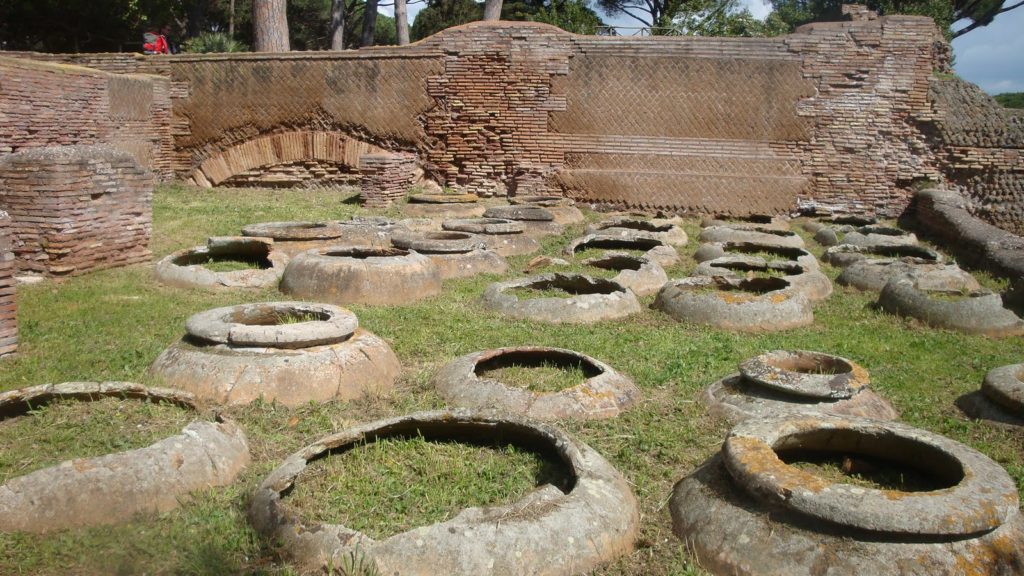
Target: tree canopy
956	17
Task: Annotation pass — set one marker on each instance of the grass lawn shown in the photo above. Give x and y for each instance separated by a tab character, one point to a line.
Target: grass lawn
110	325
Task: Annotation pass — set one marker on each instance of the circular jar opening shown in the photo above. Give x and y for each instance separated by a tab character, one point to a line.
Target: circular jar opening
36	434
881	461
766	252
809	364
364	253
537	370
641	225
760	285
616	262
643	244
276	316
407	476
566	286
224	262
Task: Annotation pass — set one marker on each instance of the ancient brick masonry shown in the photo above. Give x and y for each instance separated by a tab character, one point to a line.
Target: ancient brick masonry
980	149
840	115
48	104
8	306
76	208
385	178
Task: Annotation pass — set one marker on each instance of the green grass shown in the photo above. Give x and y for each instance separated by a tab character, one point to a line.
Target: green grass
393	485
867	473
544	377
68	429
231	265
110	325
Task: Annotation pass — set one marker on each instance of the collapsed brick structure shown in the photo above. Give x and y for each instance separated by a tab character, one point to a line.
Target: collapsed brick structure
8	306
844	115
76	208
385	178
980	149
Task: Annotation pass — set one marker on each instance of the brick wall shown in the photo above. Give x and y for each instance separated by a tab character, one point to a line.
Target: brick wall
979	147
76	208
8	306
837	114
47	104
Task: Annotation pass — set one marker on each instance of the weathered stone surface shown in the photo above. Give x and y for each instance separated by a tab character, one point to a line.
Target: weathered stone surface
977	312
638	273
1004	386
587	299
446	242
734	529
505	237
295	237
549	532
874	274
605	393
537	221
943	215
844	255
815	285
655	249
115	488
734	399
879	236
237	354
563	209
759	305
341	275
626	227
712	250
274	325
185	268
977	495
806	373
759	235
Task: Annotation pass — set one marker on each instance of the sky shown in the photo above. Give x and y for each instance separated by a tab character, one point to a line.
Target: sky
991	56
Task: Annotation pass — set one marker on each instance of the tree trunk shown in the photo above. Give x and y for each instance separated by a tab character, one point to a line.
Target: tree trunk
369	23
492	10
401	22
270	25
337	25
231	21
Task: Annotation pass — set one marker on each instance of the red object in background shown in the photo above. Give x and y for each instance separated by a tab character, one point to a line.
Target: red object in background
154	43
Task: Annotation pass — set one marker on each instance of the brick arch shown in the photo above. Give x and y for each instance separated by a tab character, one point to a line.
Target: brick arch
281	148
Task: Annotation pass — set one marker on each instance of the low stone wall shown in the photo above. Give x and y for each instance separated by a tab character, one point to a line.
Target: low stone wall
50	104
8	305
945	216
76	208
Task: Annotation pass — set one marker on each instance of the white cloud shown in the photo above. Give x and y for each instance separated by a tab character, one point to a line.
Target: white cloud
993	56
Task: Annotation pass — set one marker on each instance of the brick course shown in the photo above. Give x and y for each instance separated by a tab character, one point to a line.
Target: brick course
840	115
76	208
8	305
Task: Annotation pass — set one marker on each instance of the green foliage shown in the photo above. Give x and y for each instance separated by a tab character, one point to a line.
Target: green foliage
1011	99
569	15
441	14
793	13
213	42
722	18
